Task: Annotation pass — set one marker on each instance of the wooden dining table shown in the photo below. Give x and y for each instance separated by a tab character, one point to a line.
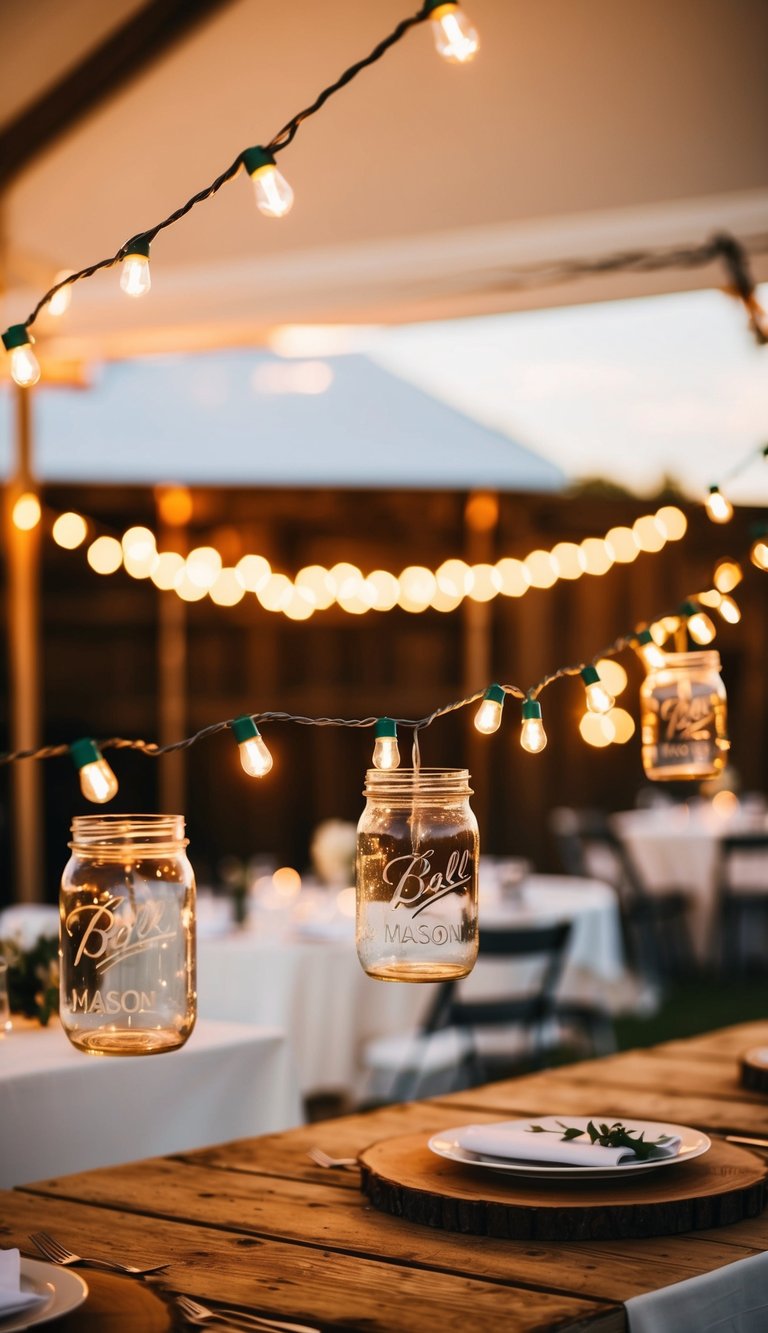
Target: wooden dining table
256	1224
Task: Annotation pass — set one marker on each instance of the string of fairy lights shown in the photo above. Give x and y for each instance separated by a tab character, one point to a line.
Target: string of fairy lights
417	588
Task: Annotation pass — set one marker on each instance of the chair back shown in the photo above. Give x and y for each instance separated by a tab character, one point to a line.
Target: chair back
744	864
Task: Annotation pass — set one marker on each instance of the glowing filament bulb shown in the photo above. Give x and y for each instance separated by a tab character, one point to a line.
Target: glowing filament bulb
25	367
758	553
135	278
62	299
274	196
649	650
533	737
455	38
700	627
729	609
386	754
598	698
488	716
26	512
97	781
718	506
254	754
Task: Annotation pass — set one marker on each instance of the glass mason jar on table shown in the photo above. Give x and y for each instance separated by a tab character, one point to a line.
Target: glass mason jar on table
127	935
684	718
417	854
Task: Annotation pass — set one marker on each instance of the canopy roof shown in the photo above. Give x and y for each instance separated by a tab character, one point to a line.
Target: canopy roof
582	127
238	418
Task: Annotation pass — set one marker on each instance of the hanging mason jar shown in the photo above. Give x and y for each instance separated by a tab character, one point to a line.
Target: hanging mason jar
684	720
127	908
417	853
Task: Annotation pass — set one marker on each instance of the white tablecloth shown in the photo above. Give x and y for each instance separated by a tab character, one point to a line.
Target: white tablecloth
678	847
318	993
62	1111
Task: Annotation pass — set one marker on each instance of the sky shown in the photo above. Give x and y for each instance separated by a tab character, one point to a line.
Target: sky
630	390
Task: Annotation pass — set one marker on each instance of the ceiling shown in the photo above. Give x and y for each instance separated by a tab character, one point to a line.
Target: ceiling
583	127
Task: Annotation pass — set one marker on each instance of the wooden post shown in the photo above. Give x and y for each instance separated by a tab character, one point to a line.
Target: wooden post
481	516
172	685
23	556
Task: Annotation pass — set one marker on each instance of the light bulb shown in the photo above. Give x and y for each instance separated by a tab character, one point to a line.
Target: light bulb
61	300
533	737
254	754
455	38
728	575
718	506
700	627
97	781
729	609
649	650
759	553
26	512
136	278
25	367
274	196
598	698
386	754
488	716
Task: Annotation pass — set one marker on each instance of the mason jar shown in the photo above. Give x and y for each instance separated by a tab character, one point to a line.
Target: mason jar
417	854
127	935
684	718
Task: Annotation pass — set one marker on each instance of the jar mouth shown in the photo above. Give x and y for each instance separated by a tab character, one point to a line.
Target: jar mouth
110	831
415	782
705	657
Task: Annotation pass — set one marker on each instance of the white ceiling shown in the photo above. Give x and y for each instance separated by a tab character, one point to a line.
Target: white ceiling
583	126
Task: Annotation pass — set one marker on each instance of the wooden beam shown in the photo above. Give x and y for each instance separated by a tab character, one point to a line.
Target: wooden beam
124	54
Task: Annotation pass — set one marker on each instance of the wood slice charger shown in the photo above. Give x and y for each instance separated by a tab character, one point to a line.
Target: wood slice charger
754	1069
403	1177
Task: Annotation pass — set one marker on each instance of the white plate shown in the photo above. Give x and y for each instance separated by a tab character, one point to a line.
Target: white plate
64	1289
693	1144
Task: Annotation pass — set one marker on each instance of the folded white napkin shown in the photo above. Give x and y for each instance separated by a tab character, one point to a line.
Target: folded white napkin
12	1298
514	1140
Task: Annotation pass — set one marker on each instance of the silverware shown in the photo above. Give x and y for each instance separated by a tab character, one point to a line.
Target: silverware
752	1143
201	1314
321	1158
51	1249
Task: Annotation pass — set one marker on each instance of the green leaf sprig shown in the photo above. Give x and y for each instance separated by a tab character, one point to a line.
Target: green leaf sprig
609	1136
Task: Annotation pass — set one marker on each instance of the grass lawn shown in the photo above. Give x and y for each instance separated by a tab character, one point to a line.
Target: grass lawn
698	1005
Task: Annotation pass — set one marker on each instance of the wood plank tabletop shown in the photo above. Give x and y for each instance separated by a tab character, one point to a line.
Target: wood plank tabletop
257	1225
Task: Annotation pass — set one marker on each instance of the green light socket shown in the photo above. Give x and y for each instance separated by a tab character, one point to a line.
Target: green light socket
244	728
254	158
17	336
531	709
439	4
496	693
85	751
385	727
590	675
137	245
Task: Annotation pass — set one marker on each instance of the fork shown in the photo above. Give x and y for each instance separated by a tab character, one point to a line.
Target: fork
321	1158
51	1249
200	1314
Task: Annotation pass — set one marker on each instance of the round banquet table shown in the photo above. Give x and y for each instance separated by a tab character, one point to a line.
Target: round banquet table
678	847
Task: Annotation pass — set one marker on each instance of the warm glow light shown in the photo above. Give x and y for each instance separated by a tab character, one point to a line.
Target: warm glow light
274	196
417	588
515	579
275	594
710	597
728	575
105	555
255	757
174	505
597	554
612	674
26	512
203	566
486	583
568	560
598	698
759	553
701	628
445	601
62	299
454	577
481	512
386	753
70	530
597	729
488	716
287	882
253	572
650	534
650	650
227	589
139	552
718	506
186	589
541	570
623	545
385	590
167	570
135	278
729	609
315	581
346	901
97	781
347	579
300	604
623	725
672	521
725	804
456	39
533	737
